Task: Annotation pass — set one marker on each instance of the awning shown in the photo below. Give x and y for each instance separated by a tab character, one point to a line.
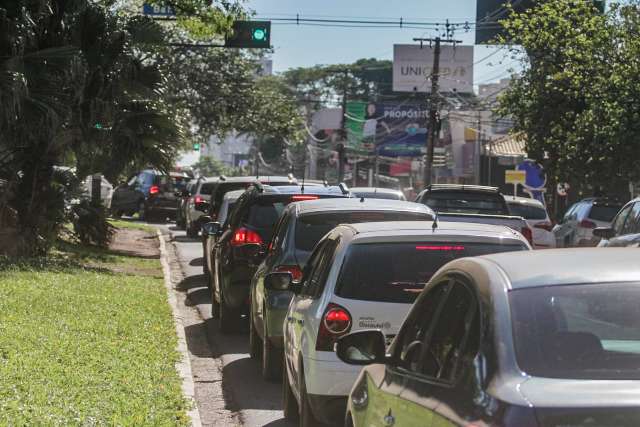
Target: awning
507	146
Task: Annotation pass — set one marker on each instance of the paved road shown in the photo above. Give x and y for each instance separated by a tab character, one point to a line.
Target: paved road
257	402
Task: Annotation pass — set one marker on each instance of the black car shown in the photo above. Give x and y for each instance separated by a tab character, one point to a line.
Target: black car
625	228
242	244
150	194
300	228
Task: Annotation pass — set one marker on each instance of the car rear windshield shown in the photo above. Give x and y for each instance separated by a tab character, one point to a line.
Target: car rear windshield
578	331
604	212
466	202
311	228
397	272
527	211
265	212
207	188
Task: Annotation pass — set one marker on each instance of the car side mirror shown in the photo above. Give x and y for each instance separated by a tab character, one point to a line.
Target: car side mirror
278	281
603	232
211	228
362	348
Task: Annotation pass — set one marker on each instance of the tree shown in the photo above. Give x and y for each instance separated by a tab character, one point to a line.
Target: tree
577	99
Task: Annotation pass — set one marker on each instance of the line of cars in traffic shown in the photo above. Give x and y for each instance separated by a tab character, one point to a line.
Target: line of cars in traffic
379	312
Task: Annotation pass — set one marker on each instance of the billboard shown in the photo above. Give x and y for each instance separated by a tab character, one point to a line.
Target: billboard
413	66
393	129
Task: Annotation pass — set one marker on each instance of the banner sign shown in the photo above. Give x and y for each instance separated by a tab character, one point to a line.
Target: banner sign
395	130
153	10
413	66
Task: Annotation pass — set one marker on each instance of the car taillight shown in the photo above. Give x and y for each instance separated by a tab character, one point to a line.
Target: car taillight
302	198
154	189
585	223
527	233
336	322
198	199
544	225
244	236
295	271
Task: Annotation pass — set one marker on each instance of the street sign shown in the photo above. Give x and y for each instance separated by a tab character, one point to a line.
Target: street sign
250	34
412	68
515	177
161	11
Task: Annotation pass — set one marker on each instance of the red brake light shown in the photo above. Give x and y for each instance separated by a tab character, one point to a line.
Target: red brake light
302	198
527	233
544	225
293	269
336	322
154	189
585	223
439	248
198	199
244	236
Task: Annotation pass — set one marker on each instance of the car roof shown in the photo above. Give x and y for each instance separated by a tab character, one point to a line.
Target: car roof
427	226
355	204
209	179
551	267
523	201
310	190
374	190
460	187
263	179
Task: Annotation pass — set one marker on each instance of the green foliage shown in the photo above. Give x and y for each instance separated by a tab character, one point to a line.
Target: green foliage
90	224
208	166
577	100
89	356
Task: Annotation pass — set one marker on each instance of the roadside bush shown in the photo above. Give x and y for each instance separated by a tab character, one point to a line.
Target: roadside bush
90	224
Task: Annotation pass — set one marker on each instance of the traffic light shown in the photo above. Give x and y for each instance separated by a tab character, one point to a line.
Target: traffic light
250	34
196	146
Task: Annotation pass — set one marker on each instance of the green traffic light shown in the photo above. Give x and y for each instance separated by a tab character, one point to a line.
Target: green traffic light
259	34
196	147
98	126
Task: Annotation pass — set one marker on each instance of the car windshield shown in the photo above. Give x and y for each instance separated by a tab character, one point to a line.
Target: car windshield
311	228
578	331
604	213
527	211
397	272
466	202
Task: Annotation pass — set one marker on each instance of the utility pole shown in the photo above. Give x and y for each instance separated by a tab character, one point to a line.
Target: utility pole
432	131
341	147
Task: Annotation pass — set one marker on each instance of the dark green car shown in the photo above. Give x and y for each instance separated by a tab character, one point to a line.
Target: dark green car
300	228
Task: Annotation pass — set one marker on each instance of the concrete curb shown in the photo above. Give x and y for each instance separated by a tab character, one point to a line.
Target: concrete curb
183	366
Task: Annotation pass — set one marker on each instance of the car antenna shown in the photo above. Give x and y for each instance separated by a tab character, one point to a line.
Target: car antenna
434	226
362	199
304	172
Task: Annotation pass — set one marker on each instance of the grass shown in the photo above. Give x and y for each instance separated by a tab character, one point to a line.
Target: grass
82	343
134	225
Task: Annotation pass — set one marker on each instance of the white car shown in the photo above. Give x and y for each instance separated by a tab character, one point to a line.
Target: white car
363	276
198	205
536	215
577	225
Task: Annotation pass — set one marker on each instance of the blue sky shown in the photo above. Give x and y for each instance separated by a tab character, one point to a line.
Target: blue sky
306	46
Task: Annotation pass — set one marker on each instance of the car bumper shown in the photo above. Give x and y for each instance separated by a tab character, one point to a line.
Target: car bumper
329	378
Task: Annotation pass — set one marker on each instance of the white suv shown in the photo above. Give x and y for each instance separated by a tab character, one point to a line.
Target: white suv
363	276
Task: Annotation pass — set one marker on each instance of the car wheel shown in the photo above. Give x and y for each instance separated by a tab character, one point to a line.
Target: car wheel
255	344
228	316
307	419
271	357
289	403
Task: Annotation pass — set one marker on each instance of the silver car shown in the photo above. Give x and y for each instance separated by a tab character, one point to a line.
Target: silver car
577	225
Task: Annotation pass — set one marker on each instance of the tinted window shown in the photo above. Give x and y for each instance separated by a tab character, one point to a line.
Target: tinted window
462	202
224	188
397	272
311	228
263	215
207	188
631	226
619	224
314	283
527	211
604	212
578	331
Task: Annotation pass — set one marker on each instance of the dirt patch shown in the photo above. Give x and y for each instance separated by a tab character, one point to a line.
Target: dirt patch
136	243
